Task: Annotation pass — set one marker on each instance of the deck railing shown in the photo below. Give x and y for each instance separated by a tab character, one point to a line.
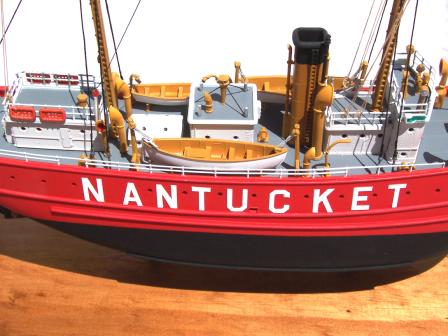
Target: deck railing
414	108
356	118
278	173
41	78
73	112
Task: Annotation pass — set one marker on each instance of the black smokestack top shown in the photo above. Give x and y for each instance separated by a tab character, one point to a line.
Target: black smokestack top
311	45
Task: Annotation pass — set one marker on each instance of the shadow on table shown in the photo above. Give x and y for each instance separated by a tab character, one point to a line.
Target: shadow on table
29	241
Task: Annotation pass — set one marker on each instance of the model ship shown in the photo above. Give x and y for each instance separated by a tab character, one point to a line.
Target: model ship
303	171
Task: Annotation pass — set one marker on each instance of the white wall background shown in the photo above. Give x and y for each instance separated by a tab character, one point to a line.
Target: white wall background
181	40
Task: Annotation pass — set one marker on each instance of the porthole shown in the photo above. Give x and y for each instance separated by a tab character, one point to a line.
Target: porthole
344	136
236	137
207	136
403	154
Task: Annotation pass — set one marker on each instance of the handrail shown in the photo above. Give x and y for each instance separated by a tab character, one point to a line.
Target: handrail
356	117
279	173
73	112
43	78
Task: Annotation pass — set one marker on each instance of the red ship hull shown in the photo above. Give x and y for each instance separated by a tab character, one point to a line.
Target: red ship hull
258	222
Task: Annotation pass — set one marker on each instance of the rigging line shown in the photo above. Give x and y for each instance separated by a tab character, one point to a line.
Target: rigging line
407	67
390	34
376	24
241	110
87	74
113	38
377	31
10	21
125	31
202	97
362	36
5	55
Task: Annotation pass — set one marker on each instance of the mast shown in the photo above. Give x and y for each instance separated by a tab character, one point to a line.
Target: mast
388	52
103	55
114	87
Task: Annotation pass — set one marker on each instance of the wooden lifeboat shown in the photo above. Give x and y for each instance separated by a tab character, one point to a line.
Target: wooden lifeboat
170	94
271	89
212	153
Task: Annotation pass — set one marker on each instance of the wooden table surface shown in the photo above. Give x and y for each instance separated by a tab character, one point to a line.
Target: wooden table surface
54	284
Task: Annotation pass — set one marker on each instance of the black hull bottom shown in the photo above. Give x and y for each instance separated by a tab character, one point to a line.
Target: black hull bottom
267	253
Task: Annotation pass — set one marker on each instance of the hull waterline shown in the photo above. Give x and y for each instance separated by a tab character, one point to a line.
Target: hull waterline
267	252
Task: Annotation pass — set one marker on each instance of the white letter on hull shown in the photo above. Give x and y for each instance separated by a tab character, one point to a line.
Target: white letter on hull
230	201
396	188
360	198
131	195
272	196
98	193
201	194
322	199
162	194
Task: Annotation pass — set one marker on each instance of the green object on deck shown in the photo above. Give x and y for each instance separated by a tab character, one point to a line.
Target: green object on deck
416	118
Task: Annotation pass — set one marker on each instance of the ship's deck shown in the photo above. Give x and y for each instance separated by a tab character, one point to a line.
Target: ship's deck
433	149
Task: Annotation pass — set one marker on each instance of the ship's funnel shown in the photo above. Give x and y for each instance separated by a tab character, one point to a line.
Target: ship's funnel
311	45
310	73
